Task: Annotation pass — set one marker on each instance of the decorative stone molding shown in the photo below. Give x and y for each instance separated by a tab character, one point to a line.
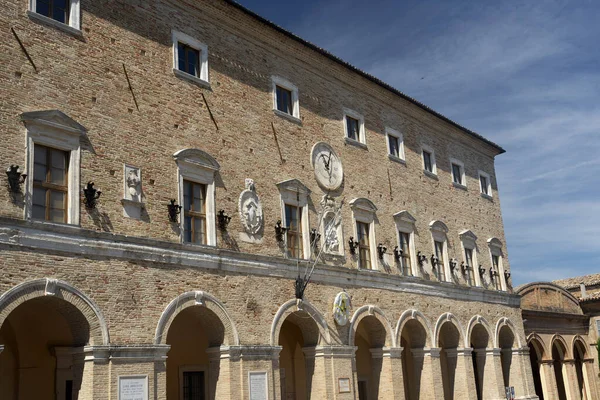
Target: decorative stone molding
251	214
125	354
506	322
331	226
447	317
478	320
386	352
329	351
375	311
19	294
294	305
420	317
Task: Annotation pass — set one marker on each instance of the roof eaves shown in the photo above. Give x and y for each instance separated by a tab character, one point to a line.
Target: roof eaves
362	73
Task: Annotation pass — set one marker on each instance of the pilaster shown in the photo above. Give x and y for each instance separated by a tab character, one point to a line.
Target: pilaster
493	380
391	382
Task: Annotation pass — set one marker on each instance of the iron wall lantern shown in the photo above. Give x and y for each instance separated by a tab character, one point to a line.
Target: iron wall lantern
223	220
15	178
481	270
398	254
353	245
381	249
421	259
507	275
434	261
453	264
493	273
279	232
464	267
91	195
174	211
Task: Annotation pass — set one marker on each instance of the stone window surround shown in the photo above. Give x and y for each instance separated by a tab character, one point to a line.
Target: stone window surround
198	166
463	176
439	233
495	246
363	210
203	79
397	134
362	142
284	83
489	184
74	15
56	130
294	193
469	241
430	150
406	223
194	368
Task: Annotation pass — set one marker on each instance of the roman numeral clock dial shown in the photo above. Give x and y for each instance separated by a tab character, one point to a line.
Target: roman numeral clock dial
327	166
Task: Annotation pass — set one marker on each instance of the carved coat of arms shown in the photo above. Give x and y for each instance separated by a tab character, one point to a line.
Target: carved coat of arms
250	210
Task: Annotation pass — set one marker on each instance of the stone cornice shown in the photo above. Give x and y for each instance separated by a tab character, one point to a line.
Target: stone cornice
75	241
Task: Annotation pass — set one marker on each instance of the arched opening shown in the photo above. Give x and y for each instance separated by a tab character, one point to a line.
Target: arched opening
299	332
506	341
412	340
369	340
558	357
449	338
43	342
579	355
479	342
191	373
536	355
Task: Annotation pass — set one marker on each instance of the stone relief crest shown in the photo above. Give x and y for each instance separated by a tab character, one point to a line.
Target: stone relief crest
341	308
250	209
332	225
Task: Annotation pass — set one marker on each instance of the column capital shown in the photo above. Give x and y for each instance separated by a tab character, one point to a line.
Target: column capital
495	352
521	350
248	352
133	353
467	351
329	351
386	352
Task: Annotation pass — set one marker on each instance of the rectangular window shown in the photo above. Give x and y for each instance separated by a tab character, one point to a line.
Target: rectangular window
193	385
56	9
483	180
188	59
470	268
194	204
439	254
427	161
364	247
496	268
353	128
293	221
394	144
50	184
457	174
404	246
284	100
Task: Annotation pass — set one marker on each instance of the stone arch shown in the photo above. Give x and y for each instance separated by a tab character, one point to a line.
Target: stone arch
576	339
539	344
196	298
478	320
197	156
438	226
506	322
376	312
448	317
556	338
23	292
292	306
419	317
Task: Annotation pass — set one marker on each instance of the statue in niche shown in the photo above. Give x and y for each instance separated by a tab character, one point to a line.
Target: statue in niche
250	210
133	183
332	222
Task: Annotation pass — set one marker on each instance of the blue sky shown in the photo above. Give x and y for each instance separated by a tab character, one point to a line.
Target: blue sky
525	74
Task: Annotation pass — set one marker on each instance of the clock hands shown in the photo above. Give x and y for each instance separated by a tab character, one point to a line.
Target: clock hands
326	162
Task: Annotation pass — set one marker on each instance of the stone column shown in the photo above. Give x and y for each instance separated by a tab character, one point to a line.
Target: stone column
244	360
221	378
570	379
590	379
391	383
464	381
325	365
524	386
493	380
549	385
432	386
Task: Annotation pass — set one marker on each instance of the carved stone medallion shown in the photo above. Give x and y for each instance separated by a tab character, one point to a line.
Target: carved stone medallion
331	226
251	213
341	308
327	165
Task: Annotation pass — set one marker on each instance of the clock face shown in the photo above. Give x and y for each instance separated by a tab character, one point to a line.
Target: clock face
327	166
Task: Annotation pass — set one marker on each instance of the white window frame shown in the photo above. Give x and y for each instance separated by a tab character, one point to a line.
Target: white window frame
362	142
394	133
56	130
203	79
294	193
489	184
406	223
439	233
74	15
363	210
199	167
495	246
430	150
463	176
194	368
278	81
468	240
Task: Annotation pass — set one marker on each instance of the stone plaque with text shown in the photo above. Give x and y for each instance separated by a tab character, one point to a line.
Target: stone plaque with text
258	385
133	387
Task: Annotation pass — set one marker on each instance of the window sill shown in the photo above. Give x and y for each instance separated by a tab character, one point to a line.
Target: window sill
396	159
459	186
430	174
39	18
50	223
356	143
487	197
287	116
191	78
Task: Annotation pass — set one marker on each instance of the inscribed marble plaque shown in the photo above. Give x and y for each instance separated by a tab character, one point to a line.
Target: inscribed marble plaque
258	385
133	388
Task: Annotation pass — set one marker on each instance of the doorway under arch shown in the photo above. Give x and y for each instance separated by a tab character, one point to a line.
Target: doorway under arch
370	339
479	342
412	339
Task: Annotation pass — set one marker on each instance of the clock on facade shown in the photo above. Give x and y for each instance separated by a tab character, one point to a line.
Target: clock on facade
327	166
